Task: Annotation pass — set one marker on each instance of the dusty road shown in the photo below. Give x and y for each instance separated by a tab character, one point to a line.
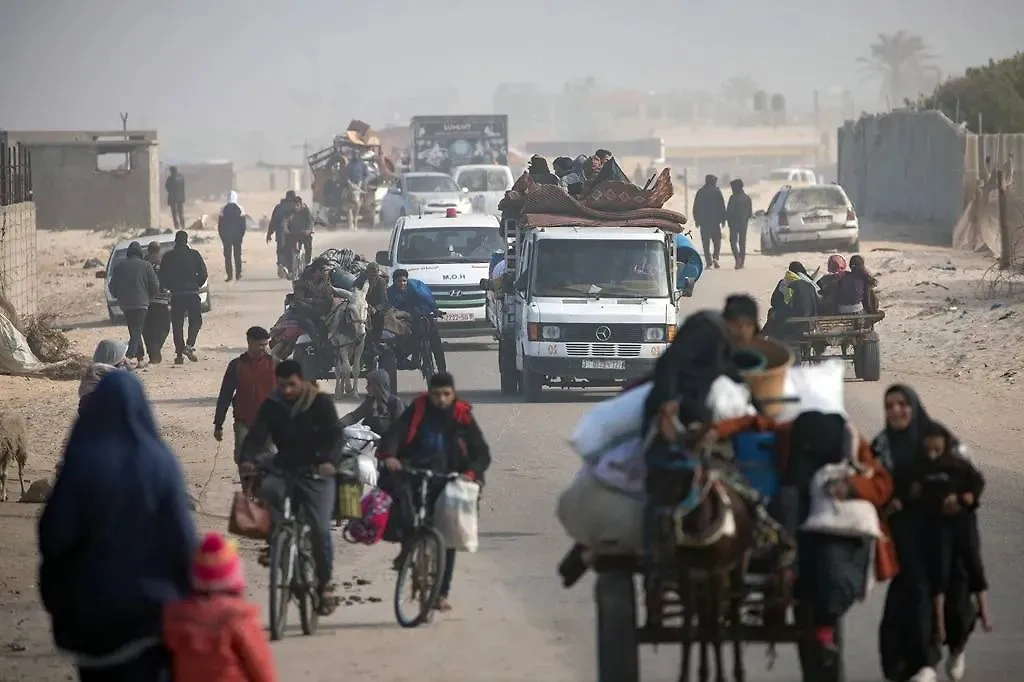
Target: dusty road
512	620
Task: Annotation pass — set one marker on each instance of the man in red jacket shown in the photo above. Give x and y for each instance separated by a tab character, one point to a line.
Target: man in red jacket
247	382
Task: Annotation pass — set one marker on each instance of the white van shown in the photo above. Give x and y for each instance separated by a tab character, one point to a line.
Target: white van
450	254
486	185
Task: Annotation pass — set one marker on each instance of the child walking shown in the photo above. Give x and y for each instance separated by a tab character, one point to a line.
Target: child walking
215	635
949	486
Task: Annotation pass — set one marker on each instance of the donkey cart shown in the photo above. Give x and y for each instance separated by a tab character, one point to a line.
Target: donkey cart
755	607
854	336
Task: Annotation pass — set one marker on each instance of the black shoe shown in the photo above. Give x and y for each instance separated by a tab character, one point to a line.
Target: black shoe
179	360
229	278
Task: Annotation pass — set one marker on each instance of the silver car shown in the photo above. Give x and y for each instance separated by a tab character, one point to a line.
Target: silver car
814	216
423	194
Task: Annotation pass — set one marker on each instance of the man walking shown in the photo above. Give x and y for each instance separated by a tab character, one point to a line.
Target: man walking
247	382
158	319
175	188
183	272
709	214
134	283
738	214
231	228
276	231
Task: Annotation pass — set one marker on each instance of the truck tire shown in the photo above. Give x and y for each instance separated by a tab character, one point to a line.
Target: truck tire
617	655
867	360
530	385
507	370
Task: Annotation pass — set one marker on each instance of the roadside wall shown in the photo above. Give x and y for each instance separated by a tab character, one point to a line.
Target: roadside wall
72	193
911	167
18	256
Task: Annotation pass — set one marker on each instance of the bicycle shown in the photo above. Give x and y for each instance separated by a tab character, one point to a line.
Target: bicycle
300	259
292	565
428	366
422	561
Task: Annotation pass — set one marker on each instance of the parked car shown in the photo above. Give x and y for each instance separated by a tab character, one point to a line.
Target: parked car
120	253
793	177
818	215
486	185
423	194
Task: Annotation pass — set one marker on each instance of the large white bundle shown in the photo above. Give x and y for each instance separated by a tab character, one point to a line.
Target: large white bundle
610	421
820	388
455	515
729	400
622	466
604	520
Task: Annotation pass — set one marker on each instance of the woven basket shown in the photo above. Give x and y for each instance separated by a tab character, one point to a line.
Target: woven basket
770	382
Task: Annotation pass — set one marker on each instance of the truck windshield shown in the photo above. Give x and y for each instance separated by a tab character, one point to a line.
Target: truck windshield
449	245
423	184
593	267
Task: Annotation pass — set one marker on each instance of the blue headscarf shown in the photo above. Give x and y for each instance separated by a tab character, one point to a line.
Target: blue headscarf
116	537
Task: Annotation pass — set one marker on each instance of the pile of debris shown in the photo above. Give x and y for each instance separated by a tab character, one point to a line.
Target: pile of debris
35	347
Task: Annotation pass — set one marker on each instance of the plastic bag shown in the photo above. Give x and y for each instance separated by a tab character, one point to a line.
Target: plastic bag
605	520
456	515
844	518
367	468
610	421
728	400
820	388
622	466
359	437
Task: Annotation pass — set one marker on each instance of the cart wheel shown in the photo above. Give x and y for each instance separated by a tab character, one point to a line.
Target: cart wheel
867	360
618	658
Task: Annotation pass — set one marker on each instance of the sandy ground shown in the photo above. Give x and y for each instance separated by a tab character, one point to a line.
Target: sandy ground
945	333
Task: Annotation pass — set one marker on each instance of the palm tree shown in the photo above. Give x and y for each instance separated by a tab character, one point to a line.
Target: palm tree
904	64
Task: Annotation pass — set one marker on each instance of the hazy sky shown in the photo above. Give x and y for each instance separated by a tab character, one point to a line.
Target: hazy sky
225	78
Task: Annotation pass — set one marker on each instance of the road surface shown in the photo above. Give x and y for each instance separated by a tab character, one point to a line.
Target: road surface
512	621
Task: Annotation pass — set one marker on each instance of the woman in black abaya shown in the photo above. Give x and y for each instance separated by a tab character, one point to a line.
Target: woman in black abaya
906	636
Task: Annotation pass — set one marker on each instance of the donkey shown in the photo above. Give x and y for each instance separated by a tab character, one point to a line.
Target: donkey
712	536
351	203
347	328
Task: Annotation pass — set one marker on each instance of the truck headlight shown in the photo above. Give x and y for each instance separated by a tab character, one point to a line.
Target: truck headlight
654	334
550	332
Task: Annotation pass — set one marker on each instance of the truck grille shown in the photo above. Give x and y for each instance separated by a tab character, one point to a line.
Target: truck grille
458	295
603	350
619	333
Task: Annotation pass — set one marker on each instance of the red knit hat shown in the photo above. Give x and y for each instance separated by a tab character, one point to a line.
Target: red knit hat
217	566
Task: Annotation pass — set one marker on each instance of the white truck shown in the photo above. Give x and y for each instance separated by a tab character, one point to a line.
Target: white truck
582	306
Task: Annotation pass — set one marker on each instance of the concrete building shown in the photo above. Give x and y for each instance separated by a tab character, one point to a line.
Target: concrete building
94	179
18	284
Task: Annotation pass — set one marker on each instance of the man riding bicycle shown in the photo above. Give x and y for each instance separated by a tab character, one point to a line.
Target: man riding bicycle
437	432
414	297
303	425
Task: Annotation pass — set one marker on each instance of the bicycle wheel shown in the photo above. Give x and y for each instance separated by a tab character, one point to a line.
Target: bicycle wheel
419	577
282	570
427	367
305	578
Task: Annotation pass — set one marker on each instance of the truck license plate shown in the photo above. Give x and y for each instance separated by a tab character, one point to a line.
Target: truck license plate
458	317
604	364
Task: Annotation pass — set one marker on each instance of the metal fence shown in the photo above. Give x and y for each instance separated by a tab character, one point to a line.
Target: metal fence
15	173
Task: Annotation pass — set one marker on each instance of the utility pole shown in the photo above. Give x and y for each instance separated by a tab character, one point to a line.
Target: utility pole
124	133
1005	243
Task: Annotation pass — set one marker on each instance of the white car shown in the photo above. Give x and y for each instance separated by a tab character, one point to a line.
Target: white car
815	216
120	253
486	185
423	194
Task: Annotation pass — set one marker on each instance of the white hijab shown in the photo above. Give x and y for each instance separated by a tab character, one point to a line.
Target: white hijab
233	199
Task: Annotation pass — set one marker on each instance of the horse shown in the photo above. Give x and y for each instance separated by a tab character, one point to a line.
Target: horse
346	329
711	533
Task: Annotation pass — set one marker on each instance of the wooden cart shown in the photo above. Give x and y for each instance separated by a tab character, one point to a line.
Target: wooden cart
815	339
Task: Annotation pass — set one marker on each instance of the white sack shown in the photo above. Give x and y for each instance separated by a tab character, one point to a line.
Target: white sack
604	520
456	515
622	466
845	518
729	400
610	421
367	467
359	437
820	388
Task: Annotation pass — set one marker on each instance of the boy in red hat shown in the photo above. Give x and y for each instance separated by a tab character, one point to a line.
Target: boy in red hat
215	635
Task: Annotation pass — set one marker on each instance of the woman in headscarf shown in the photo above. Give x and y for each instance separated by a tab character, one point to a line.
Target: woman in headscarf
381	407
907	635
109	355
855	293
828	283
116	538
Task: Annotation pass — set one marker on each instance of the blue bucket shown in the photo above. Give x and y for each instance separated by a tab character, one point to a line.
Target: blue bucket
754	453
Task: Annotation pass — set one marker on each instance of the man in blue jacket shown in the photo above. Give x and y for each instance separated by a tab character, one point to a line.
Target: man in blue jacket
414	297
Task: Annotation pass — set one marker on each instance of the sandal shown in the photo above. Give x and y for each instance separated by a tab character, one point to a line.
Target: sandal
443	605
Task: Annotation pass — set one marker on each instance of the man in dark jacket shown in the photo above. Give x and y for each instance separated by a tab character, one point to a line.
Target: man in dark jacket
299	226
231	229
134	284
275	230
738	213
175	189
709	214
303	424
183	273
248	381
438	432
158	319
